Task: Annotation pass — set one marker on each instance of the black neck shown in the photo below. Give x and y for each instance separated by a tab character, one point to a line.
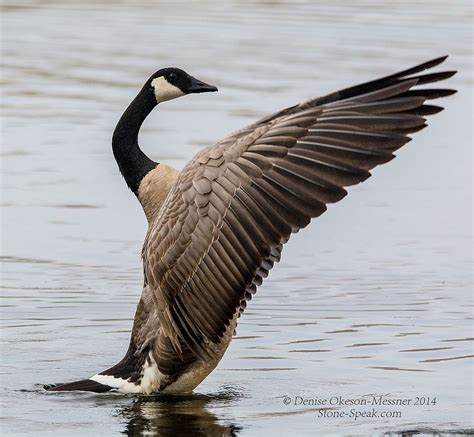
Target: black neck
132	162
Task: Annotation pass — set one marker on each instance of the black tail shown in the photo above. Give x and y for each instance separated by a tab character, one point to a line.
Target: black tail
82	385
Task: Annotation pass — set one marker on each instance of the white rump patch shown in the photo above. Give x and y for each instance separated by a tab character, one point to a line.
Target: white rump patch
150	382
164	90
120	384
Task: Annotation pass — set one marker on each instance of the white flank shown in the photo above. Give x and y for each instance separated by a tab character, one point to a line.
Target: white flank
164	90
150	381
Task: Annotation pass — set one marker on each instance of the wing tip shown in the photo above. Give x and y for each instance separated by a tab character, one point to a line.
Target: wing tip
449	73
434	62
440	59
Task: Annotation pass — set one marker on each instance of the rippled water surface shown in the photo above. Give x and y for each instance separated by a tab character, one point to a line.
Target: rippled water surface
374	299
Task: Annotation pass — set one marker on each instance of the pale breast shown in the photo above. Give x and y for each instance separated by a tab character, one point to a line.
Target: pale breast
154	188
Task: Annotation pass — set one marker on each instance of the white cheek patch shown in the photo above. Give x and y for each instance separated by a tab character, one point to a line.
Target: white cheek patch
164	90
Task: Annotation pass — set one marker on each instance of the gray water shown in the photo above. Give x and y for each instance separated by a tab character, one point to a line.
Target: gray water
374	299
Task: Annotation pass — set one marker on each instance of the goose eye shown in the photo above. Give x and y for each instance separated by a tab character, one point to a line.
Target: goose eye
172	76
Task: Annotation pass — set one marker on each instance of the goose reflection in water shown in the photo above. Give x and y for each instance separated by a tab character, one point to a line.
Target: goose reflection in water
163	415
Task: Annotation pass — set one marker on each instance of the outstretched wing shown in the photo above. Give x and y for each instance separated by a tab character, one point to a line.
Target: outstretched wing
237	202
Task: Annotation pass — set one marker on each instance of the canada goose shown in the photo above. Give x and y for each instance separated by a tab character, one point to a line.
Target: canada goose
216	228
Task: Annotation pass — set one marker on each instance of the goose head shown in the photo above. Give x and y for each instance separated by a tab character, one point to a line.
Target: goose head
170	83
